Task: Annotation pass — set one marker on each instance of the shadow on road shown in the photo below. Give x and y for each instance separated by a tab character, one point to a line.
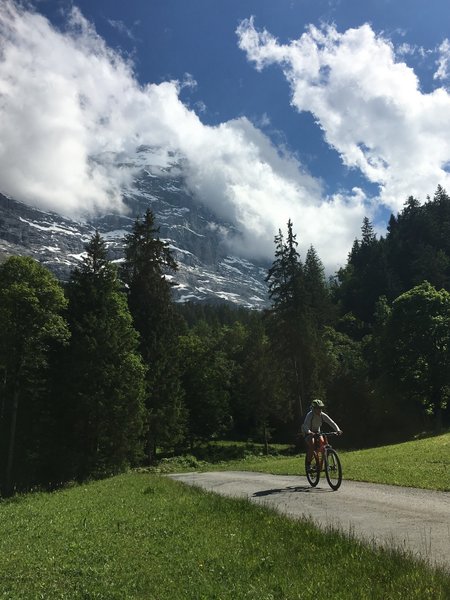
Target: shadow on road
291	489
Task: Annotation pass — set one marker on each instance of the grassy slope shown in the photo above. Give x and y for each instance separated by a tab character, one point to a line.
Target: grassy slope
143	536
423	463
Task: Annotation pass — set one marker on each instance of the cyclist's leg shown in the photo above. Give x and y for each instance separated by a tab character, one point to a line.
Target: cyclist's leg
309	441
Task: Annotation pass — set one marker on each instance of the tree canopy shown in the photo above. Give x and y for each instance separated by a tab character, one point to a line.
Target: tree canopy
31	325
107	371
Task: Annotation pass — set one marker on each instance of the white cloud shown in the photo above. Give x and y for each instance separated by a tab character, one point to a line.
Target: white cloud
406	49
188	82
443	61
66	99
368	104
63	99
122	29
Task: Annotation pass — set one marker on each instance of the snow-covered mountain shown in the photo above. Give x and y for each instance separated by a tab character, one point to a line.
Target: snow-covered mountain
207	271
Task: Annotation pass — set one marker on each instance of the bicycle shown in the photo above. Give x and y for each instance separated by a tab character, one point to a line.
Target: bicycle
324	459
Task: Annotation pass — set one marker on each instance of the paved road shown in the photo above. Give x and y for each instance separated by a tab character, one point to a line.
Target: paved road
411	519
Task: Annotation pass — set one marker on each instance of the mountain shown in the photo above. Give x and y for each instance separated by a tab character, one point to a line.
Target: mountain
207	271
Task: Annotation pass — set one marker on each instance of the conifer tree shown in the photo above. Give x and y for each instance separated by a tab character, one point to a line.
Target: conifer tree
148	261
287	324
104	373
316	288
300	308
206	376
263	390
365	277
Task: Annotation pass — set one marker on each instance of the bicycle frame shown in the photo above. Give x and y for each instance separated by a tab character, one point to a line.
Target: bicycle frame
326	459
321	444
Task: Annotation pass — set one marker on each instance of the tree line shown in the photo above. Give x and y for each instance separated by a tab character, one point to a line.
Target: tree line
101	373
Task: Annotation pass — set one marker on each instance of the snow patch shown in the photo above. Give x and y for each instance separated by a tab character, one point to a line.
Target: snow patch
51	227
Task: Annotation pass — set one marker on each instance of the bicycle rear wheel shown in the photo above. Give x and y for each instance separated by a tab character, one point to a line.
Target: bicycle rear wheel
333	469
312	471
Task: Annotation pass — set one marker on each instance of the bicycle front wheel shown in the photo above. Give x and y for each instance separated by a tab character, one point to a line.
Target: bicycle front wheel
333	469
312	471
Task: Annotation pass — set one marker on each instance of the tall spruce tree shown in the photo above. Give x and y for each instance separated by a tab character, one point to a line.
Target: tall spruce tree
300	308
418	243
288	319
147	262
316	289
365	277
104	373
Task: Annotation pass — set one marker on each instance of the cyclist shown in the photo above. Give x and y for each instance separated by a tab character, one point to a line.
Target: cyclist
312	424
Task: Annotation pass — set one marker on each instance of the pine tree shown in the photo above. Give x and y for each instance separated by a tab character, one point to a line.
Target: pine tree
147	262
287	323
206	376
368	236
263	390
316	288
104	373
365	277
277	274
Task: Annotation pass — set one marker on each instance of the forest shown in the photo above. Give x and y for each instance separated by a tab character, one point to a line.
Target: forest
106	372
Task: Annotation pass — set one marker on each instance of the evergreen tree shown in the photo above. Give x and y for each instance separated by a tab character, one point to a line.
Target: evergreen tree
264	396
299	309
364	278
104	373
418	245
287	322
206	377
277	277
368	237
147	262
404	235
31	324
317	291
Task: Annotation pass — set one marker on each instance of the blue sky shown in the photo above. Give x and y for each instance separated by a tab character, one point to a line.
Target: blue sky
319	111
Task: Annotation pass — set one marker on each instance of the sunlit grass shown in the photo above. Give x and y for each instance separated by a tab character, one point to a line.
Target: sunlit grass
423	463
143	536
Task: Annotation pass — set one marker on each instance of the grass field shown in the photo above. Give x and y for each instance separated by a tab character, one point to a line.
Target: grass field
423	463
141	535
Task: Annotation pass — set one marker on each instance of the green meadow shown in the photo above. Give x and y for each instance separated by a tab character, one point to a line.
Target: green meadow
142	535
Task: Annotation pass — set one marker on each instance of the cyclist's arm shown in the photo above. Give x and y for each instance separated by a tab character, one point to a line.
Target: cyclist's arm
307	423
330	422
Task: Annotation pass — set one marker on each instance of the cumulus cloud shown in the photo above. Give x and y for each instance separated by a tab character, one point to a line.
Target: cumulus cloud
68	102
368	104
64	100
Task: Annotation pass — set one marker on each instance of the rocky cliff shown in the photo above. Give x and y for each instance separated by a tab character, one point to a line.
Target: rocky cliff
207	272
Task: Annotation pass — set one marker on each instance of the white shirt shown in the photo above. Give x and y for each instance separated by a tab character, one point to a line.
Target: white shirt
313	422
